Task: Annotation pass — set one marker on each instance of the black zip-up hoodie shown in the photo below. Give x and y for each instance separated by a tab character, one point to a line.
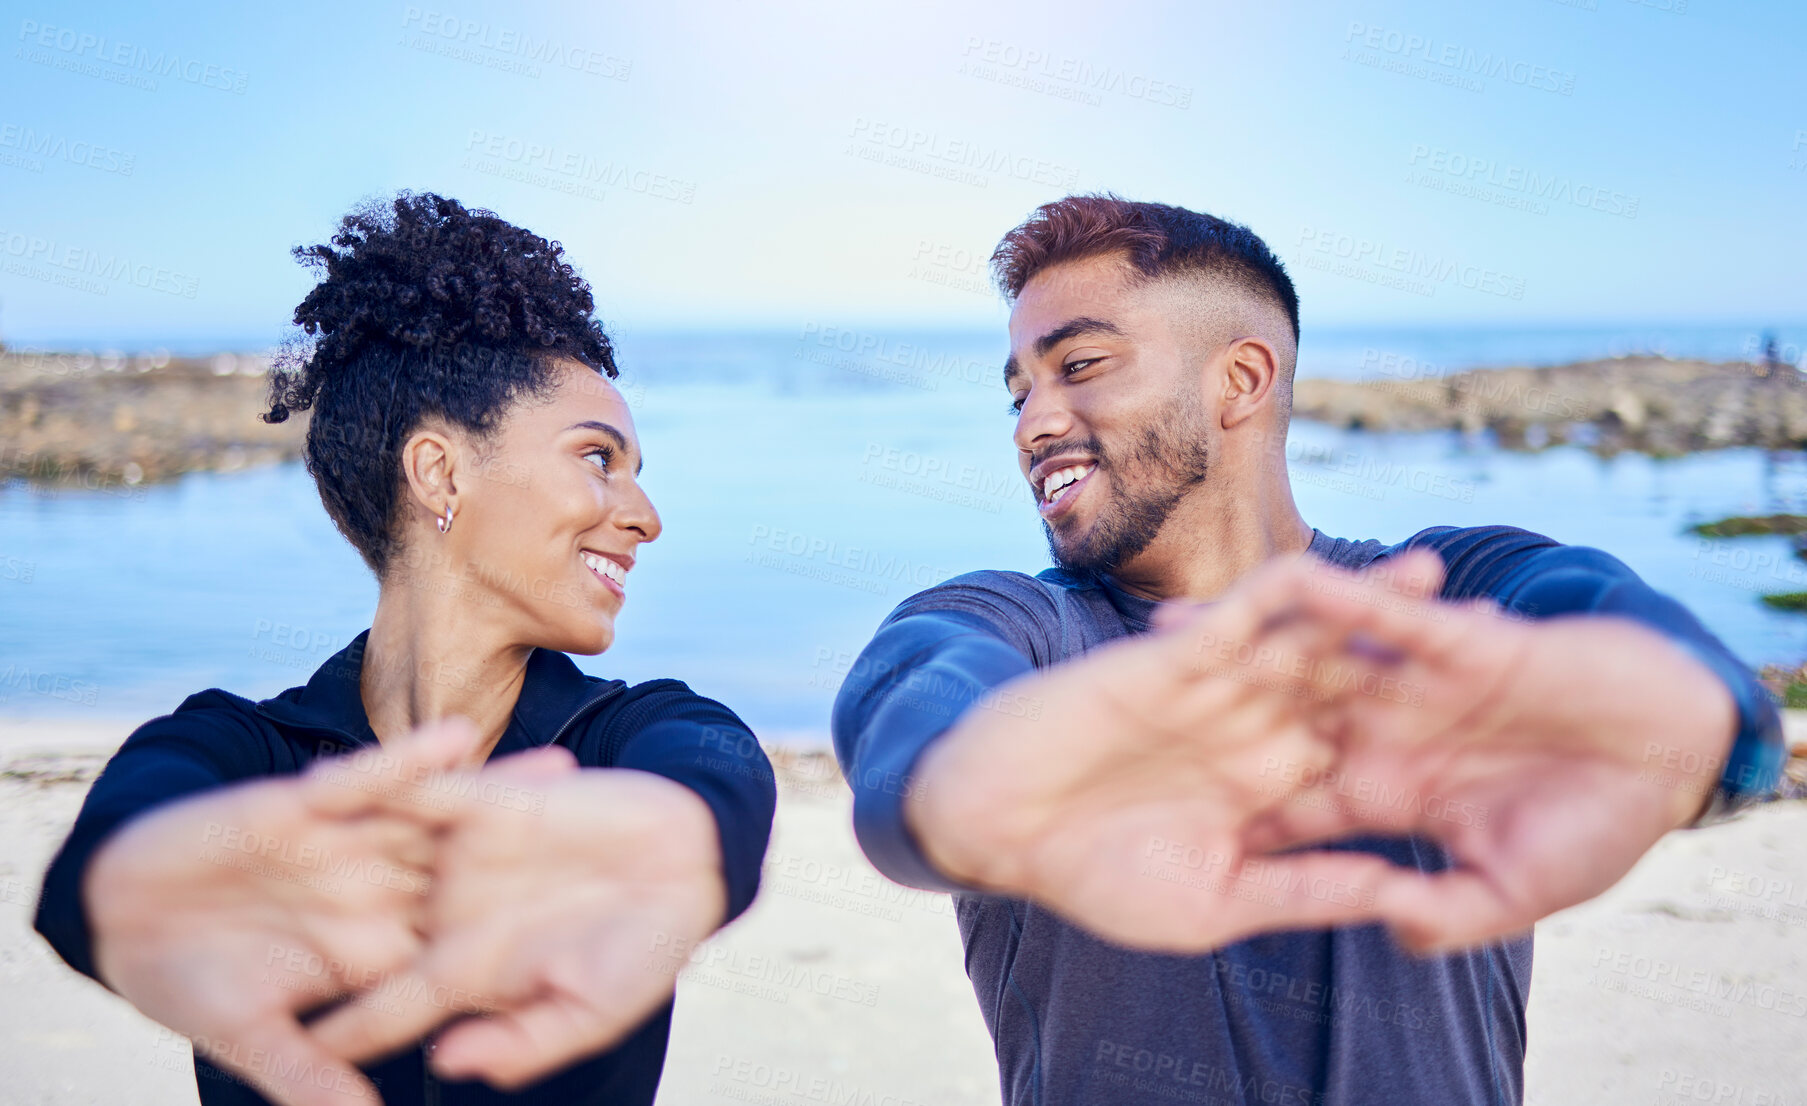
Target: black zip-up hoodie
216	738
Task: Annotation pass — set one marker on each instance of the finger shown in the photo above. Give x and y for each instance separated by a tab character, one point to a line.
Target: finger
1390	614
287	1066
1444	911
598	1003
1174	612
1207	635
1305	890
392	1015
512	1049
548	762
408	777
1307	816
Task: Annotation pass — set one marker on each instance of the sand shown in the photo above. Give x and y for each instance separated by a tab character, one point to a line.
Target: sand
1686	982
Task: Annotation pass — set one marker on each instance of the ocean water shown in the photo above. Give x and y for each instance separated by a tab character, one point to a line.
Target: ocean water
809	482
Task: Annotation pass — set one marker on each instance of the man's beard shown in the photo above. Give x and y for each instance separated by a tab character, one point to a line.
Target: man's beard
1146	486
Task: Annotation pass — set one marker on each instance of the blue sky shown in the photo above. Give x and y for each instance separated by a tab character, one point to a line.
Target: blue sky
725	165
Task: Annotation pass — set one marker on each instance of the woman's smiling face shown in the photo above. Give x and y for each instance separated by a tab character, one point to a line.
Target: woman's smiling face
549	513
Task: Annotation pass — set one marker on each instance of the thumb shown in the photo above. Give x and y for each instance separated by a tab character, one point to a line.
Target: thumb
442	745
288	1067
548	762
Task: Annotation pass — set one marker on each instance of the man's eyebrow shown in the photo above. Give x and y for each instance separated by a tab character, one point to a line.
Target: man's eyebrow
1072	328
619	438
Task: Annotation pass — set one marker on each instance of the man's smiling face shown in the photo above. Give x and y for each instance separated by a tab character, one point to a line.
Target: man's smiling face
1112	431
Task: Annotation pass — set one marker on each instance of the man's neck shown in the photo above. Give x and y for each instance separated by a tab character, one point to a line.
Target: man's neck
1206	546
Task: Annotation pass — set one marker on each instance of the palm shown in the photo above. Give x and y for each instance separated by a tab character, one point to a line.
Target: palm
565	926
210	916
1524	750
1124	797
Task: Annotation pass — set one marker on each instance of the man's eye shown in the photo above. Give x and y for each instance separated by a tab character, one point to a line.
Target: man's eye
607	455
1079	366
1016	405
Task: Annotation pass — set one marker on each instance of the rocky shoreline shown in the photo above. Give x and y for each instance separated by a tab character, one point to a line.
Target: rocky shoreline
1650	405
100	421
87	420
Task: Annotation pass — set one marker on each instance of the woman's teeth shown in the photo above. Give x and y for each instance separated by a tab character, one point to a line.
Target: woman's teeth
1056	483
602	566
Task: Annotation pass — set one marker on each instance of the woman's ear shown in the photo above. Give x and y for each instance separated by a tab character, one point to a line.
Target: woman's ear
430	463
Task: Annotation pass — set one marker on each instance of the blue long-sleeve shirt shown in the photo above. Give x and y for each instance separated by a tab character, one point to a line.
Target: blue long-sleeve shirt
216	738
1341	1016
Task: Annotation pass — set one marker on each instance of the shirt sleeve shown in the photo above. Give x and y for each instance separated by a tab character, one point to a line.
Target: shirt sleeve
934	657
1537	577
665	728
203	745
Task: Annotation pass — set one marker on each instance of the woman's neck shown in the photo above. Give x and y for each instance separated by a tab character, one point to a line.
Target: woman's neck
430	656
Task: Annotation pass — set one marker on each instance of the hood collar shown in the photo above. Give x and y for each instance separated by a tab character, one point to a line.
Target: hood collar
553	693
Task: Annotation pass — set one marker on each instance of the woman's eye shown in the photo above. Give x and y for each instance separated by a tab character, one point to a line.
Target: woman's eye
606	455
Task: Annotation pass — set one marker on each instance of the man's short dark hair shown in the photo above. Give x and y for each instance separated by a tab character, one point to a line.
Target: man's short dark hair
1158	240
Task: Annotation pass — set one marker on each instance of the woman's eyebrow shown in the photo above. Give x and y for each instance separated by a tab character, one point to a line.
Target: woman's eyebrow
619	438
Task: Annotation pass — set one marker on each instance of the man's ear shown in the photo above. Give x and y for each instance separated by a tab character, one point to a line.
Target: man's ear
1251	380
430	463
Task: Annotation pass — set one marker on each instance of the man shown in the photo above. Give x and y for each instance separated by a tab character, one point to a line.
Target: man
1491	725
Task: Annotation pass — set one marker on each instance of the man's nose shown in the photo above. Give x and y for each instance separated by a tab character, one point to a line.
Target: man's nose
1043	418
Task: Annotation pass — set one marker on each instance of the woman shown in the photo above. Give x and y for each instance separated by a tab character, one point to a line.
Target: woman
449	818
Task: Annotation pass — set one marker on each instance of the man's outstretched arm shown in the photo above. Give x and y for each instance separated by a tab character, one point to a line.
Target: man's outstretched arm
1547	752
917	676
1071	784
1531	575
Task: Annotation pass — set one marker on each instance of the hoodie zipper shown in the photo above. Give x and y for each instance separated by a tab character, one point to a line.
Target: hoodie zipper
429	1086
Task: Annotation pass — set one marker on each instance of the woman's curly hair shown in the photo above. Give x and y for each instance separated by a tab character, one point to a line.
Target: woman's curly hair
424	309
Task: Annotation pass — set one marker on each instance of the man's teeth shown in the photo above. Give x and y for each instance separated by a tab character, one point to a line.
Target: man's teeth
1056	483
602	566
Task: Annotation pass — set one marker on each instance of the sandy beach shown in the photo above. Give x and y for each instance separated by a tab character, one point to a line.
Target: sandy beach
1686	983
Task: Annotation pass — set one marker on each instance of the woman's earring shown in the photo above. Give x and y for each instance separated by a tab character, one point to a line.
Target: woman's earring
446	522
